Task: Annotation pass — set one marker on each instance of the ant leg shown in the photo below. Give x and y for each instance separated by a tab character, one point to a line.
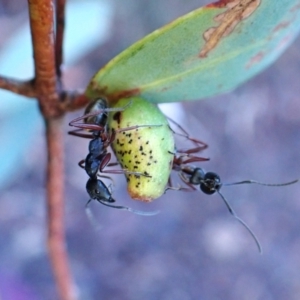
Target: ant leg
112	164
124	171
178	188
88	126
92	114
77	132
178	125
107	177
137	212
194	159
81	164
110	189
105	161
135	127
192	150
185	134
186	181
200	146
171	187
75	123
180	165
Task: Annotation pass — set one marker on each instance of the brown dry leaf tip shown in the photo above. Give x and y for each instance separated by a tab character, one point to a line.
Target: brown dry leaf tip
237	11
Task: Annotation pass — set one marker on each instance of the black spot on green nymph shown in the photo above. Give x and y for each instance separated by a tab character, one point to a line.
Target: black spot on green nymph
117	117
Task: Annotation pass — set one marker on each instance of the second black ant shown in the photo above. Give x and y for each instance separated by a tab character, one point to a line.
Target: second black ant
210	183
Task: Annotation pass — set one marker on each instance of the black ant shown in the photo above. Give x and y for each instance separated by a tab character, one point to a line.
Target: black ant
95	120
210	183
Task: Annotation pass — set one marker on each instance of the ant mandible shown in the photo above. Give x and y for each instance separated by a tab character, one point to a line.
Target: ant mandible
95	120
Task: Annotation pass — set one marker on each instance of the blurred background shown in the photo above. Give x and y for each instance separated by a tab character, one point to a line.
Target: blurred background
194	249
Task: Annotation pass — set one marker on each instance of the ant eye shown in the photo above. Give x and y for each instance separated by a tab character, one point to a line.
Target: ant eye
146	148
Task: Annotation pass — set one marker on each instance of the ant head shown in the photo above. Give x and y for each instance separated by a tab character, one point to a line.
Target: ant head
97	190
210	183
94	106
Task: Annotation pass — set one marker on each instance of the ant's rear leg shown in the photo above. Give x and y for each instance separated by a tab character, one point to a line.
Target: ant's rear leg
174	188
186	181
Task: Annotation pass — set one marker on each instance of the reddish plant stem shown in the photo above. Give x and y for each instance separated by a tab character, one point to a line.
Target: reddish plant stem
41	14
60	26
69	100
24	88
73	100
55	209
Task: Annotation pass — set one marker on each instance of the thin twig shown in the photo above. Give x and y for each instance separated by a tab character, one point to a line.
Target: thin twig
24	88
60	26
46	86
72	100
42	31
55	209
69	100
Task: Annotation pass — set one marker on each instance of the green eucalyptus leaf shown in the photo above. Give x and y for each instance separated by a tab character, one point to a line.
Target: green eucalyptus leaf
206	52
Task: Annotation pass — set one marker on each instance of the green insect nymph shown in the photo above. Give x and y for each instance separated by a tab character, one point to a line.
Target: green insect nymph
146	150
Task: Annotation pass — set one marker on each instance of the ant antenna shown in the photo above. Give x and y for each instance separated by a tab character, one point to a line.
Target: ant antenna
260	183
92	218
232	212
137	212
